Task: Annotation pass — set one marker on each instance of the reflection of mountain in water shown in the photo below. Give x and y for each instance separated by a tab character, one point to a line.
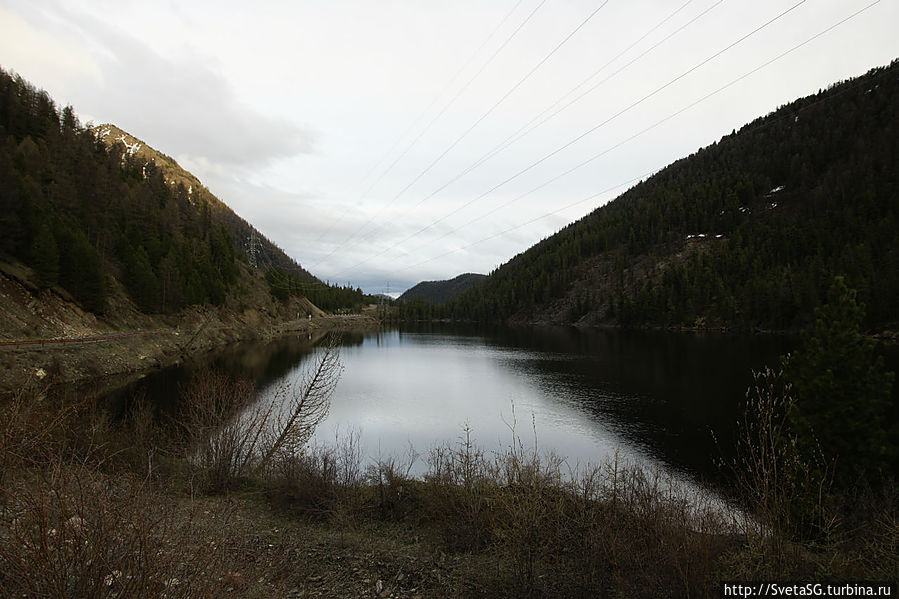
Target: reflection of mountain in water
660	393
666	392
265	363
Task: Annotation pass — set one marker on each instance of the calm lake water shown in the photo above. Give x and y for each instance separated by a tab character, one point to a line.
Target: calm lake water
582	394
656	397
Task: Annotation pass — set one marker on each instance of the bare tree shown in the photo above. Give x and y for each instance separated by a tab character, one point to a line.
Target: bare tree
232	431
302	408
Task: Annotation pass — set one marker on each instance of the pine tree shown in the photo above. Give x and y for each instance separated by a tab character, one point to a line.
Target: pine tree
141	280
45	256
843	391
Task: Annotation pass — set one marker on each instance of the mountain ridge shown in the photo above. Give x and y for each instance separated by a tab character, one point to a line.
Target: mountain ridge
440	292
175	175
106	239
747	232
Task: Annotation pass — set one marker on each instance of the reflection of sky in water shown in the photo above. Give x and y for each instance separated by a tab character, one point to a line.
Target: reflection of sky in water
653	396
421	390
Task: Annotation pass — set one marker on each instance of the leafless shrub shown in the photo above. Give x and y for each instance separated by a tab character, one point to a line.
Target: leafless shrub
39	428
459	483
391	484
72	532
349	458
881	543
616	529
234	433
217	437
300	409
796	526
786	494
312	482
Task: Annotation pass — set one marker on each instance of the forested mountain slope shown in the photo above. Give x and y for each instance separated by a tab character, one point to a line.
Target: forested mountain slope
748	232
92	209
246	237
442	291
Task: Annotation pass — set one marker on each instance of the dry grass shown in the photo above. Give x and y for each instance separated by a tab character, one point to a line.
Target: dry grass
233	433
92	508
73	532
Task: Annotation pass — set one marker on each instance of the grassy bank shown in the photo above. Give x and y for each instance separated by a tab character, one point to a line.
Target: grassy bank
196	505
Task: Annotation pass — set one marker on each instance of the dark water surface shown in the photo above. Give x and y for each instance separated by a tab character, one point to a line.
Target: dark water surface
584	394
653	396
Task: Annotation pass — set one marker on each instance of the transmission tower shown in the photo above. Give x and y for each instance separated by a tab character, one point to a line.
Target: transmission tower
254	246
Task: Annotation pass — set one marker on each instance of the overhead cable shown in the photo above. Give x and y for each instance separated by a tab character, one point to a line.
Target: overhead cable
421	115
611	118
433	120
669	117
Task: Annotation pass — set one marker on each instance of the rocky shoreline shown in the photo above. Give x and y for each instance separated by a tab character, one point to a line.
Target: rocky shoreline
104	352
114	362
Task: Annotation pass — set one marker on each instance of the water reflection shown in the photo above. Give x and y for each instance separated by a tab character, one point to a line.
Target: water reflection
656	396
584	394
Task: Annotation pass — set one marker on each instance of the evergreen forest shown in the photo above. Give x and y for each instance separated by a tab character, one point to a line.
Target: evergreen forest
746	233
330	298
81	212
442	291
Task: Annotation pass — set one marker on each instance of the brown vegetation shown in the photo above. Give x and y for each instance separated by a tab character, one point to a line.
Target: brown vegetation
31	314
137	508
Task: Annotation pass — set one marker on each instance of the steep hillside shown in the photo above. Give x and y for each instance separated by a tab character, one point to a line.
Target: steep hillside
748	232
286	279
110	244
89	209
258	248
442	291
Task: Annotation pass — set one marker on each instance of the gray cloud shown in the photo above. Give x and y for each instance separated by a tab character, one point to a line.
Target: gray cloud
182	104
221	87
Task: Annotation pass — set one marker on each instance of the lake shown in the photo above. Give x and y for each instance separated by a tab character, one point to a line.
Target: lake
655	397
652	397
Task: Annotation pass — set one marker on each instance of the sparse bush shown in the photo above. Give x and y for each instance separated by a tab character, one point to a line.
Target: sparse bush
392	485
798	525
27	430
232	432
83	512
310	482
460	484
39	428
617	529
71	526
216	430
786	488
73	532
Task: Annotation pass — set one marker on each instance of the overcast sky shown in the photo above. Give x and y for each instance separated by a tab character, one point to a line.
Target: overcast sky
361	136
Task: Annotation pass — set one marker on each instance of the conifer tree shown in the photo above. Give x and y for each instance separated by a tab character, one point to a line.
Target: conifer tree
45	256
843	391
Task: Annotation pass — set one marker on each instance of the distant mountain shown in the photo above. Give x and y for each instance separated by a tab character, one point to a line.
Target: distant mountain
442	291
748	232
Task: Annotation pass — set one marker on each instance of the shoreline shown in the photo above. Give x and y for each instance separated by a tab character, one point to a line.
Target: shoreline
110	359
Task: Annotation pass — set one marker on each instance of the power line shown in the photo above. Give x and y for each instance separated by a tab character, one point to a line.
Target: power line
489	111
608	120
421	115
669	117
504	97
433	120
516	137
530	126
533	220
662	121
